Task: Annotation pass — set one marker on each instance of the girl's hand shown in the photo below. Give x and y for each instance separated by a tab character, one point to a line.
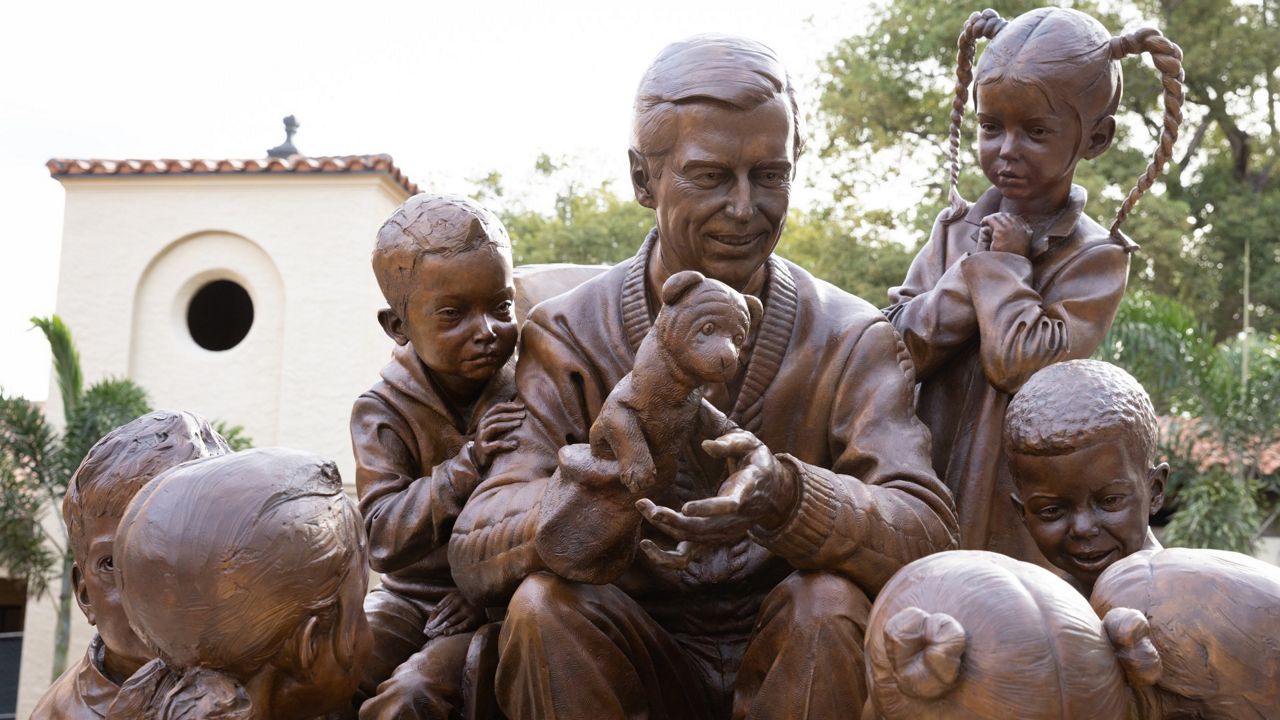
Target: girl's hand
1005	232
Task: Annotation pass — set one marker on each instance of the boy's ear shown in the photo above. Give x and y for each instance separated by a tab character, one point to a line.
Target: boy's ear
308	643
1104	131
640	179
392	325
81	589
1156	479
1018	507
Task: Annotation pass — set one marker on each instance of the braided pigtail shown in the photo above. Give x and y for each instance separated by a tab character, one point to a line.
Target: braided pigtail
1168	60
983	24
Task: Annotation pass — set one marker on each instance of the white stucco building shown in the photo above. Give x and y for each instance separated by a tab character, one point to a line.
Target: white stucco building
237	289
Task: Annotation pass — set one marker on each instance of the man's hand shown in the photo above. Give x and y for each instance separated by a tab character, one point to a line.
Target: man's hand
760	491
453	615
695	564
1005	232
498	421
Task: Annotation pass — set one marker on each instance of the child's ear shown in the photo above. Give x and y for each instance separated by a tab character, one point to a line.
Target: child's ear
308	643
392	325
1018	507
1156	479
640	179
1104	131
82	594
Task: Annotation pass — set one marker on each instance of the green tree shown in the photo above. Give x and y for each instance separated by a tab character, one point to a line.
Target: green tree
588	224
36	464
855	254
1219	486
886	94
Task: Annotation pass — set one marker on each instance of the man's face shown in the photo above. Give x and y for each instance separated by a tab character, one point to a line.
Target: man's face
99	598
1088	508
722	191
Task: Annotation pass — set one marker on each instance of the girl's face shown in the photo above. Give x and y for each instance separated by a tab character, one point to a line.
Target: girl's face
1027	148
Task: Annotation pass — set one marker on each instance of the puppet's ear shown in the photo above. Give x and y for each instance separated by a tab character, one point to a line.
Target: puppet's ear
677	285
755	309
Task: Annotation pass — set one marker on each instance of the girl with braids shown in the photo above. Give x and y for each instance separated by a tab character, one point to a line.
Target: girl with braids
246	573
1022	278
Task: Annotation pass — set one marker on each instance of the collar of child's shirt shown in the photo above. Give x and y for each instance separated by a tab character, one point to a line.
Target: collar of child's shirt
1060	227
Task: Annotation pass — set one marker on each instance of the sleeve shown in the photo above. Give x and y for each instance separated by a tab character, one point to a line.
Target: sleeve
880	506
933	308
405	516
1021	331
496	541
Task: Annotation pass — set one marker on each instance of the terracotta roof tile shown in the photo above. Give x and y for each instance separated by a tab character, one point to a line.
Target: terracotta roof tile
60	167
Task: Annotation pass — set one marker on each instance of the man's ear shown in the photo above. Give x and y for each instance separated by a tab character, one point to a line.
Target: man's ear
1156	479
392	325
640	179
82	594
1104	131
1018	507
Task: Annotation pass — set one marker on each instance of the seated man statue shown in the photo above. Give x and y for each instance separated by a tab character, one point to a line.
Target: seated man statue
751	598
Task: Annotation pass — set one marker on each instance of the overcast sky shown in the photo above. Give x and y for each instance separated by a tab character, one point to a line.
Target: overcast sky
450	90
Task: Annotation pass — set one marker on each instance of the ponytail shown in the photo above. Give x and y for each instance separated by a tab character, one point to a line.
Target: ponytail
925	651
1168	60
985	24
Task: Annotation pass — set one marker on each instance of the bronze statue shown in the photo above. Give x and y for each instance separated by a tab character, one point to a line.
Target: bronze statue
980	636
245	573
800	515
1081	441
648	418
1215	621
113	471
423	436
1022	278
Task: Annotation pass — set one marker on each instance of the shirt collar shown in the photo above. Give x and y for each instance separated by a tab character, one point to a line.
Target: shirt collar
95	689
1063	225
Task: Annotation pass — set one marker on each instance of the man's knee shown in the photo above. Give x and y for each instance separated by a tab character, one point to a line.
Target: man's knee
542	598
819	598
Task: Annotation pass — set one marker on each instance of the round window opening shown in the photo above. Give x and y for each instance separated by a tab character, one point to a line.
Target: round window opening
220	315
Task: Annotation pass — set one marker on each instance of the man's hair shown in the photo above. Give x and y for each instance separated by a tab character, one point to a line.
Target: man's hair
431	225
1075	404
724	69
126	459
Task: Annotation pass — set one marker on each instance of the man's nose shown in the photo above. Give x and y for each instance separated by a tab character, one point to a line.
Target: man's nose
741	205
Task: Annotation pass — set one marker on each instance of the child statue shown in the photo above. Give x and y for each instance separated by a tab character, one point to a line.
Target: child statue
246	574
1022	278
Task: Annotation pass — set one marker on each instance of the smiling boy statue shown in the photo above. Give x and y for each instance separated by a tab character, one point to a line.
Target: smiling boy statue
821	495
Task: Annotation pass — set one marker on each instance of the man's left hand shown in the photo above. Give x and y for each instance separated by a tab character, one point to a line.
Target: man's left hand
760	491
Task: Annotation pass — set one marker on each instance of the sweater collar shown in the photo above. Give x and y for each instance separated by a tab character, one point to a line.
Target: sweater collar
772	339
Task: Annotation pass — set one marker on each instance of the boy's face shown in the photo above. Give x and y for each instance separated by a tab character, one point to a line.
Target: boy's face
459	314
1088	508
99	598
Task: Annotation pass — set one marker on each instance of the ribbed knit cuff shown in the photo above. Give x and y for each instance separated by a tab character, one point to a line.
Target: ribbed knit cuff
805	532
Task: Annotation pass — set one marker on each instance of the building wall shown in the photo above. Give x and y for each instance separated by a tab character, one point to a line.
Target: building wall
136	248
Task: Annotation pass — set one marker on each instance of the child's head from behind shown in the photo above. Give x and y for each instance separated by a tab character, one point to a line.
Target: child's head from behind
1046	91
444	266
241	567
1081	440
980	636
113	471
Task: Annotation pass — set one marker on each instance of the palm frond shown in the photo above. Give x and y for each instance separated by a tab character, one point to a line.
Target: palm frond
66	359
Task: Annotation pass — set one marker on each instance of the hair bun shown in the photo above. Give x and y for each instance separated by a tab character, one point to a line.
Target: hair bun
1130	635
926	651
